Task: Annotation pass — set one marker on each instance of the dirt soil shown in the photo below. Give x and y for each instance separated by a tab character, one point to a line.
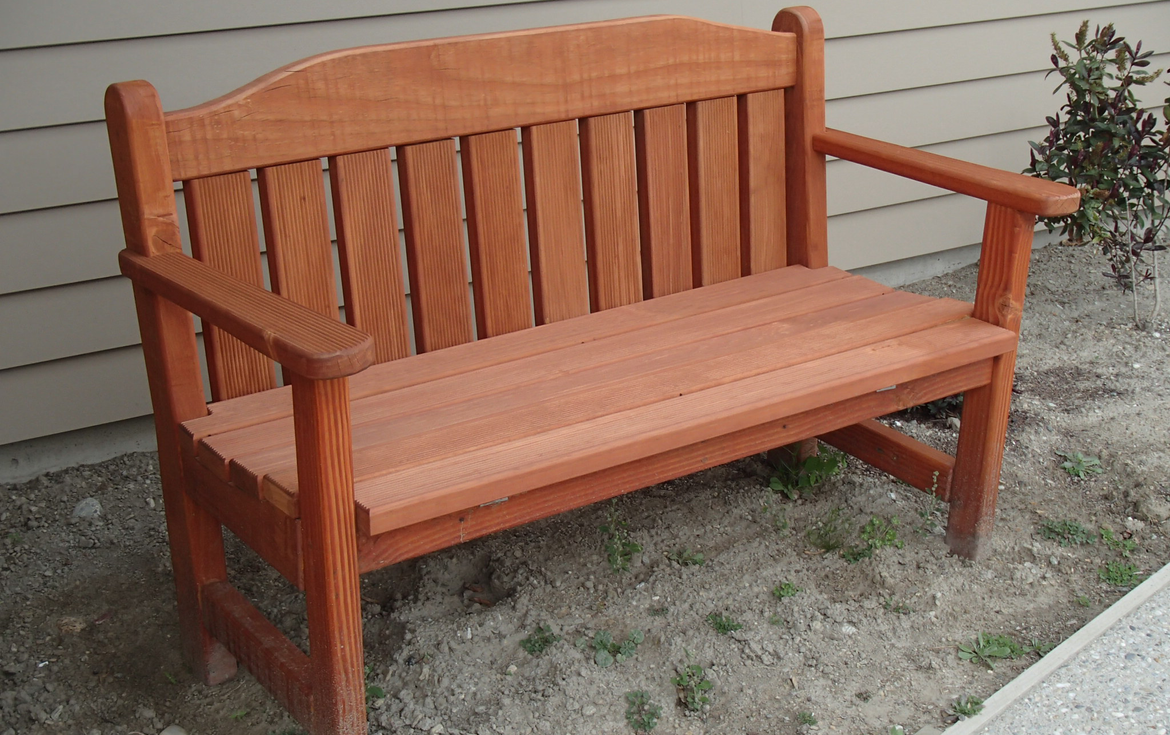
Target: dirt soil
88	632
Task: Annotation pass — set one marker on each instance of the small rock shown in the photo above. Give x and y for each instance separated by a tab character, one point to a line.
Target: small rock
511	670
87	509
145	713
953	422
173	730
70	625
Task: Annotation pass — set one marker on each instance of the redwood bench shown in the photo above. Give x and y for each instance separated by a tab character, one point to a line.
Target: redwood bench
650	296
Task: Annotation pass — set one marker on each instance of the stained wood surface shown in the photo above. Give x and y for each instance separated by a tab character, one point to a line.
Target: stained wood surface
1011	190
495	232
273	405
296	234
762	201
439	533
332	589
222	220
918	465
304	341
804	117
609	180
433	224
367	248
663	200
556	239
425	90
713	153
271	657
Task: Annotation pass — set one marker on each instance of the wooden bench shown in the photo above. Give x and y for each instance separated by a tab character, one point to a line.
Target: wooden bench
660	218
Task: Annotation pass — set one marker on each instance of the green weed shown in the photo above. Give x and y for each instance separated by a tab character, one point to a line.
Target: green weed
897	607
660	611
1084	601
775	619
641	712
806	718
1118	574
1068	533
693	686
685	557
1123	545
373	691
967	706
830	532
619	549
877	533
799	477
539	640
1080	466
723	624
607	651
987	647
238	715
785	589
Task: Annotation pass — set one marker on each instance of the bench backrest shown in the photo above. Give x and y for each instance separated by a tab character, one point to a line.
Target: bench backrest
574	169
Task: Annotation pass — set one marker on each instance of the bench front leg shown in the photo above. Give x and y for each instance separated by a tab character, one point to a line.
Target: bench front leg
999	300
332	592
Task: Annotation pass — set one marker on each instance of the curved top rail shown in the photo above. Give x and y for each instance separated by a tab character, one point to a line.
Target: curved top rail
395	94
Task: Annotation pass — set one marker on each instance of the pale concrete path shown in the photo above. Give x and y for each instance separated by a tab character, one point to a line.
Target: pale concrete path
1112	677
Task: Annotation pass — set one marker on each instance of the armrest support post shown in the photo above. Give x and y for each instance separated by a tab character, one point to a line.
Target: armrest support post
1003	266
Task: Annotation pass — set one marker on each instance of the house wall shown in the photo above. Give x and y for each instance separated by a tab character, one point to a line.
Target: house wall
959	78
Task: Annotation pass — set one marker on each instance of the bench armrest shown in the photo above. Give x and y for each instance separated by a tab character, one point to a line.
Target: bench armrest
1014	191
307	343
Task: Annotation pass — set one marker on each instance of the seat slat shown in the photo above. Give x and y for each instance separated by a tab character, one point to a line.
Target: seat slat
664	376
660	135
221	216
296	233
495	231
276	404
433	222
483	475
609	180
218	450
761	182
712	148
556	240
367	247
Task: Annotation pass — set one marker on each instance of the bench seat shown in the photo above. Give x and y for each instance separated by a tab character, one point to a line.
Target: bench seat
502	416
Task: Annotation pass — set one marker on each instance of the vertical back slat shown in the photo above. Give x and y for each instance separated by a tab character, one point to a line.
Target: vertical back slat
552	177
609	180
367	247
712	133
222	219
433	221
296	232
761	182
495	232
660	135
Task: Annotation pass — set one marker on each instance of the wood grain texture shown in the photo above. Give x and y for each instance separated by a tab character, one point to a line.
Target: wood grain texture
303	341
332	589
222	220
804	117
609	180
435	488
660	137
571	383
1011	190
762	200
277	664
999	300
275	405
433	222
889	450
367	248
150	222
394	546
425	90
495	233
296	235
556	239
713	153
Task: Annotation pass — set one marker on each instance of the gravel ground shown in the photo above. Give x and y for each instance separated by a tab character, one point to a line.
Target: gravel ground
1117	685
88	638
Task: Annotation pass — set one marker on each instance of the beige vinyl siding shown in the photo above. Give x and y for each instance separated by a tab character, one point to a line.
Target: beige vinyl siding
961	79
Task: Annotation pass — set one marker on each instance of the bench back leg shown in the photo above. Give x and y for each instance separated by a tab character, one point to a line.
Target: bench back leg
332	588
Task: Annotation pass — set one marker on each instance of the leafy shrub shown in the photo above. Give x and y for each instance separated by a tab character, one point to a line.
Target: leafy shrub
797	477
641	713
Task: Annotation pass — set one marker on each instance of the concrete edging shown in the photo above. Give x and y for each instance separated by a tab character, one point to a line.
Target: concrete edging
1023	684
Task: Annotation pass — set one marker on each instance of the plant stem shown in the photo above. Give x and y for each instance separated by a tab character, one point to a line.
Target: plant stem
1157	290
